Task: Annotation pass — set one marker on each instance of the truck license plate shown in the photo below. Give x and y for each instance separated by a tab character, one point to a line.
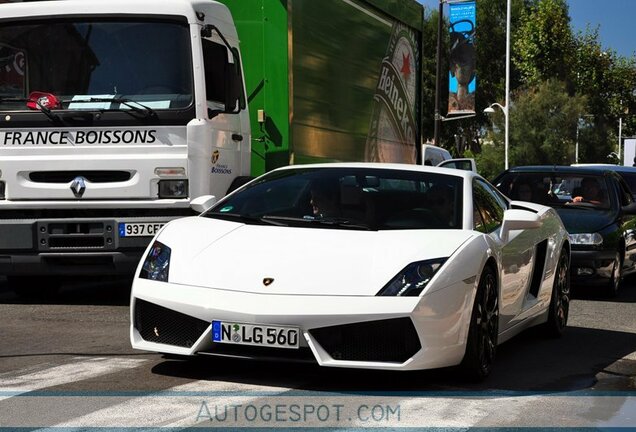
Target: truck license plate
142	229
255	334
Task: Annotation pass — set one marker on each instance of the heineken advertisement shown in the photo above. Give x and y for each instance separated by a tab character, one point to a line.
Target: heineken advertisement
393	129
462	80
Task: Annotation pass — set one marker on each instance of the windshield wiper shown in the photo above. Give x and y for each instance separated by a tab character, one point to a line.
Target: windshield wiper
47	111
329	221
243	218
134	106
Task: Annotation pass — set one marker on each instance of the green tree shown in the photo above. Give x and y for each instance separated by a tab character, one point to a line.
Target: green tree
544	44
608	81
543	125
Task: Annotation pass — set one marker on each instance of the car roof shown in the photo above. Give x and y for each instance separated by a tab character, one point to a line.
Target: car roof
609	167
596	169
388	166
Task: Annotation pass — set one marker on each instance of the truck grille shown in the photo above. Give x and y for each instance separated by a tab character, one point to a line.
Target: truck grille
161	325
69	176
391	340
66	235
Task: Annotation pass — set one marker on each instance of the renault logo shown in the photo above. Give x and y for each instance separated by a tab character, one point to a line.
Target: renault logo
268	281
78	186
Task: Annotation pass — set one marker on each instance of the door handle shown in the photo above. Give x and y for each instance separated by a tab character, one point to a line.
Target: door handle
237	137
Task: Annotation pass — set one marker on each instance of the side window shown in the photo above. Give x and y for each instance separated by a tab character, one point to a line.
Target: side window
490	206
478	222
626	196
215	60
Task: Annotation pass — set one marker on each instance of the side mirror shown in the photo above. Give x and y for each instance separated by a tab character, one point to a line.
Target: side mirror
630	209
518	220
465	164
202	203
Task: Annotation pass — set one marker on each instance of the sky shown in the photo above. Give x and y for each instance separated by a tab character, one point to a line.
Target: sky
616	19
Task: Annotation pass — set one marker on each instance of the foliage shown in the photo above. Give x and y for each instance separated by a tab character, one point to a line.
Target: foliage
593	87
544	44
489	160
543	125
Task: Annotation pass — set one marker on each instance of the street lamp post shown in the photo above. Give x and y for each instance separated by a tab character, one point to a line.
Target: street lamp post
491	110
580	122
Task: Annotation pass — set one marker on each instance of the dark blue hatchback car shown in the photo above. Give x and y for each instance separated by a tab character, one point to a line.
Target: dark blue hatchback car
598	210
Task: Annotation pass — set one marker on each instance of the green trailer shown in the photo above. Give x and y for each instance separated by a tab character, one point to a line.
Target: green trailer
331	80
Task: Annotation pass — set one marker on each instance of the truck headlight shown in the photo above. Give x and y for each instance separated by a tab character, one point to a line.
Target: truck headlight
173	188
413	279
157	263
586	239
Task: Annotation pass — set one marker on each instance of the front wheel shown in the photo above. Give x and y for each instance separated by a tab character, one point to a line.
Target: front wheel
615	280
560	301
483	332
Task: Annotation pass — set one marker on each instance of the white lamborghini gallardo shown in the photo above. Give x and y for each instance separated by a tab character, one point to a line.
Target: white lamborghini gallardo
378	266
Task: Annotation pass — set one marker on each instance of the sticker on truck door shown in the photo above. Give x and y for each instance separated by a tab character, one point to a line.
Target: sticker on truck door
139	229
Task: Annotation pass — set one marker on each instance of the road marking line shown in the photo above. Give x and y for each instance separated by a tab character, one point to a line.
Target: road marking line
80	368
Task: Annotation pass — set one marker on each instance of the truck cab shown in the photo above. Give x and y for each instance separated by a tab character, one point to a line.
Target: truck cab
114	115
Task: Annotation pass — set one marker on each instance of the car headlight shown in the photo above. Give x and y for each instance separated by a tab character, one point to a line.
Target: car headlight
157	263
412	279
586	239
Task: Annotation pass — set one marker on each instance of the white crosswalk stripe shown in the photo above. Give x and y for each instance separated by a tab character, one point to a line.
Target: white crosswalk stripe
79	368
231	404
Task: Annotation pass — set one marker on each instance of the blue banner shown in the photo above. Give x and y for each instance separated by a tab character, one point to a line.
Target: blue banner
462	80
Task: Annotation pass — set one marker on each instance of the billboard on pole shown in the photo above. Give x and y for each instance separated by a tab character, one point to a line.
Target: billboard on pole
462	80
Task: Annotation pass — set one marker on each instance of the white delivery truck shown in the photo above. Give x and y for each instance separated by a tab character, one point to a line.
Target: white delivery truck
114	115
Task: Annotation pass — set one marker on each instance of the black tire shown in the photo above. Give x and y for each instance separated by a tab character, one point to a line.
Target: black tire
560	301
481	345
238	182
611	289
34	287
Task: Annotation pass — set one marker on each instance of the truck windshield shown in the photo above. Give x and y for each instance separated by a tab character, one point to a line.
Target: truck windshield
76	60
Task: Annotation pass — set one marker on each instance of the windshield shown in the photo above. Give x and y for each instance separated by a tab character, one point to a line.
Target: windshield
344	198
557	189
74	60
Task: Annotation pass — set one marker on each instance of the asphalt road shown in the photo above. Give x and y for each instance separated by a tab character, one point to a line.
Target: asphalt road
66	362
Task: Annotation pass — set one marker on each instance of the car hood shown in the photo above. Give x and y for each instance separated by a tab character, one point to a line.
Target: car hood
306	261
578	221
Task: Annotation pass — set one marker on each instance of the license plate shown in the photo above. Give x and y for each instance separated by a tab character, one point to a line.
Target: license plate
255	334
142	229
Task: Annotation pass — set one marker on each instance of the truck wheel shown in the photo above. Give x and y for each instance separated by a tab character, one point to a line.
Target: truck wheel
238	182
34	287
483	332
560	301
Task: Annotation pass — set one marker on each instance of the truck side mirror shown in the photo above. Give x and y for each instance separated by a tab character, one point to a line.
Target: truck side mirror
224	83
233	97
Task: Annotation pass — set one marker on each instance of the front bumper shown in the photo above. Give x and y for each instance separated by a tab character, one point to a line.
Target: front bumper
592	268
79	242
392	333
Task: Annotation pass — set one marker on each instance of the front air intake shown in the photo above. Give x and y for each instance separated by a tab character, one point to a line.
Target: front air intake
162	325
392	340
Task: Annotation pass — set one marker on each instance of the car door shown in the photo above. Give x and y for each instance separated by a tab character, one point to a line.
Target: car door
627	223
516	256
